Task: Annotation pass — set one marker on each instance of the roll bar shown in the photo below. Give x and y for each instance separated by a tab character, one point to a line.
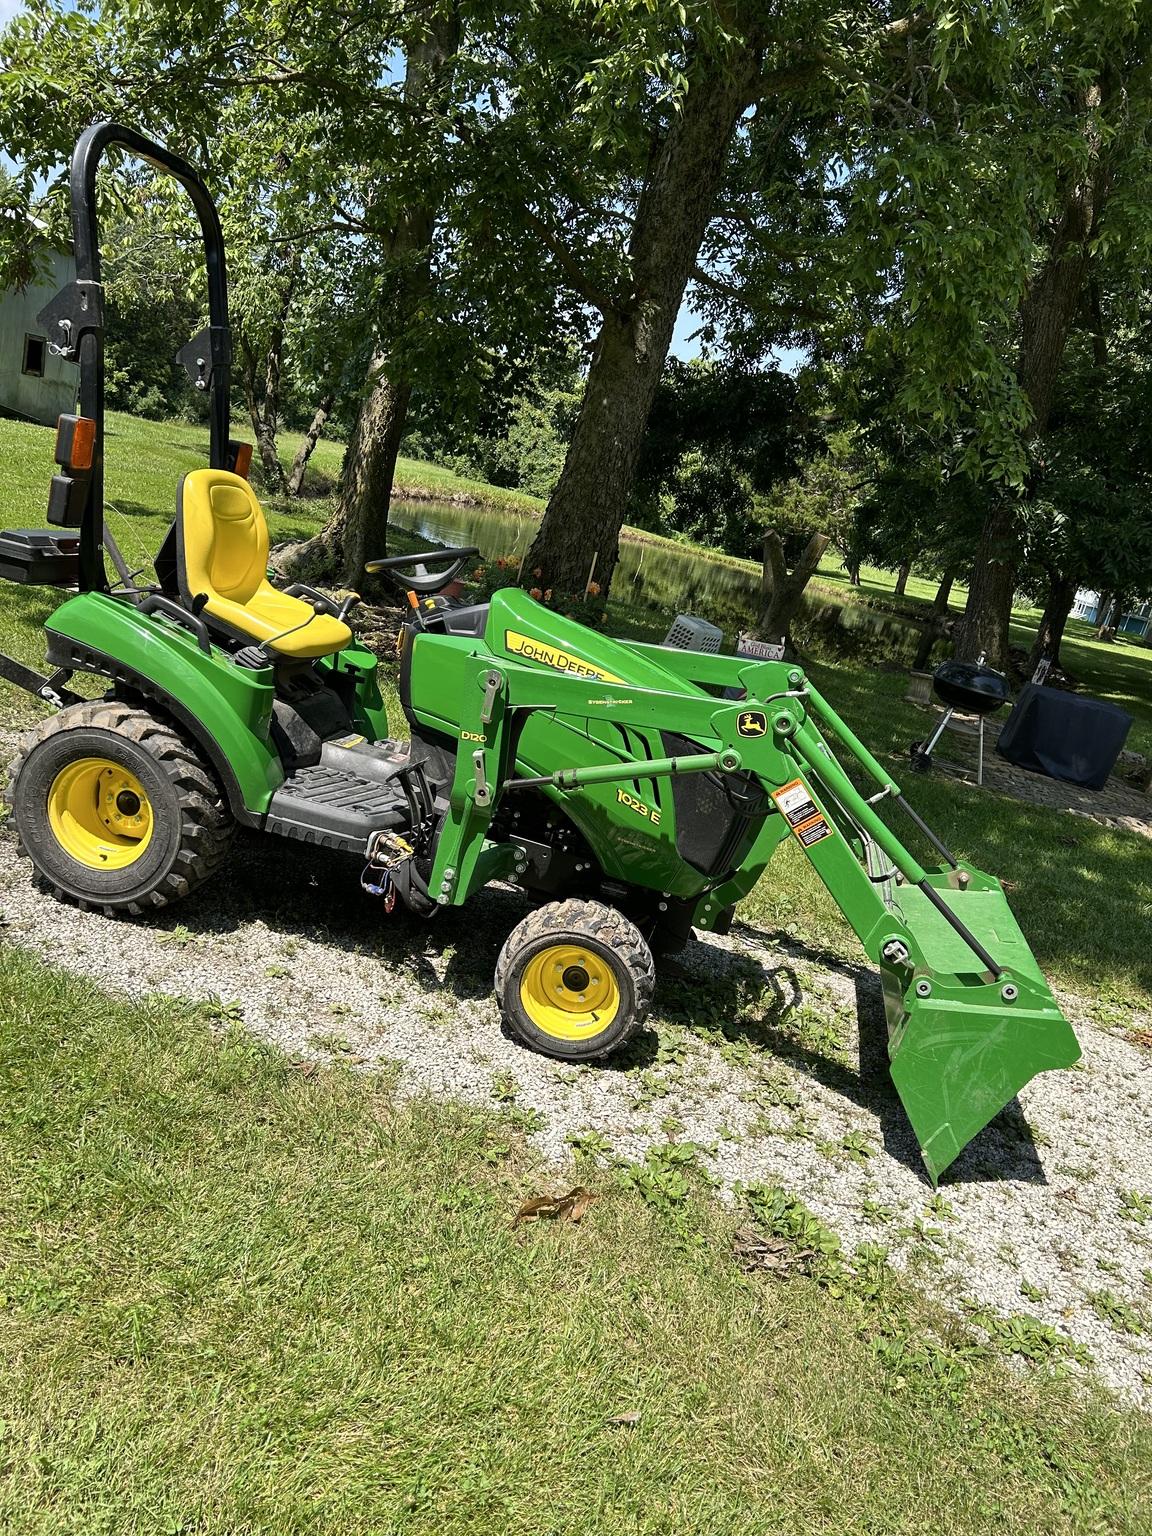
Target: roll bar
74	319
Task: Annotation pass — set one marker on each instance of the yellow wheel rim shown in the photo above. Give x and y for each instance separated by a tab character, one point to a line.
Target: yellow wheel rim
99	813
569	992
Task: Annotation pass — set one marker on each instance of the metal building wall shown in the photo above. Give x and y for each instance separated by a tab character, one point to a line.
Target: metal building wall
41	399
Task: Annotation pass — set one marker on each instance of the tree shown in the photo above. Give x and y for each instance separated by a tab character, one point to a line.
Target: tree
719	439
935	231
819	506
325	140
580	531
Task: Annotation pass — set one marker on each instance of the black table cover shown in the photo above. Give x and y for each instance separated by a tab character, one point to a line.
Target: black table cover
1064	735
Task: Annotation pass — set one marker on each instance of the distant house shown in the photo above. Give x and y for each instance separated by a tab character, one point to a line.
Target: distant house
1137	622
33	383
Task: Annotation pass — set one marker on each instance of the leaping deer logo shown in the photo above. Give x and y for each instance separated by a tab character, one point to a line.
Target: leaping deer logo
752	723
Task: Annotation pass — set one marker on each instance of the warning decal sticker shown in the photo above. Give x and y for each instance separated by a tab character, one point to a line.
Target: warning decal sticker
813	831
801	813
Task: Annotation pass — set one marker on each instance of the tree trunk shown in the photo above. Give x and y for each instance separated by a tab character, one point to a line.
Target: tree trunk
270	420
1109	612
311	437
586	510
934	627
983	631
358	531
782	592
1047	312
902	576
1057	606
262	374
943	593
853	569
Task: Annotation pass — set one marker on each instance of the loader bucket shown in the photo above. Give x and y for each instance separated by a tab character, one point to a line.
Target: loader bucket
961	1044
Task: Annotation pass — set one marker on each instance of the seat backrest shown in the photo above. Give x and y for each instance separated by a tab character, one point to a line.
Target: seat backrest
221	536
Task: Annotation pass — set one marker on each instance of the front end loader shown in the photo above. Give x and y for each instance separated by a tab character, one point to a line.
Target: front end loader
632	792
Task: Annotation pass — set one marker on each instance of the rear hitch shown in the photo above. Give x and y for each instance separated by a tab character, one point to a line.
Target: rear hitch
50	689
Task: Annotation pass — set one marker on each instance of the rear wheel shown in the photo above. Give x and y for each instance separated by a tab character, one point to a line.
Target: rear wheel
575	980
115	810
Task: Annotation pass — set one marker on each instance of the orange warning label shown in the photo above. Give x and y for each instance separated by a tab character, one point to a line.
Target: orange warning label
801	812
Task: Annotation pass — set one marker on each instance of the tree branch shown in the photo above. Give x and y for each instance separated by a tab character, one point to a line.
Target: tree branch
568	264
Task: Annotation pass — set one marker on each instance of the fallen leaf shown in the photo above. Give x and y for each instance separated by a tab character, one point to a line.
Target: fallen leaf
628	1420
755	1252
580	1205
305	1068
569	1207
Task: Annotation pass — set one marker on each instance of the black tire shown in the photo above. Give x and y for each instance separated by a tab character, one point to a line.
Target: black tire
573	930
190	825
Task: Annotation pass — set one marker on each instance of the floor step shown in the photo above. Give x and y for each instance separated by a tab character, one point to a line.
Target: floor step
335	808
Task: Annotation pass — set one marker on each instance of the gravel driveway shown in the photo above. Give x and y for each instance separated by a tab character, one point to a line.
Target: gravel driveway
767	1055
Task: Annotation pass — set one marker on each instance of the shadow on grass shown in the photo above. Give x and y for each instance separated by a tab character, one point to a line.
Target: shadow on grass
762	1005
718	994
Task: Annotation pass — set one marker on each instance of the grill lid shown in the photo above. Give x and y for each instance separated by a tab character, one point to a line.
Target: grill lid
970	686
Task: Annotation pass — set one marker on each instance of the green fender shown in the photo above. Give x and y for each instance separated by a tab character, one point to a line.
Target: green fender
225	709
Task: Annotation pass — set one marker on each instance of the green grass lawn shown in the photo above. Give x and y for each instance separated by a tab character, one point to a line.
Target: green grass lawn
1083	893
237	1297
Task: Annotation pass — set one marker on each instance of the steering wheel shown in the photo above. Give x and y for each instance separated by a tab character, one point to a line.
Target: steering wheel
421	579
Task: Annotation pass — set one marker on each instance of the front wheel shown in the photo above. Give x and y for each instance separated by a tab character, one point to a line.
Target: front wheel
574	980
115	810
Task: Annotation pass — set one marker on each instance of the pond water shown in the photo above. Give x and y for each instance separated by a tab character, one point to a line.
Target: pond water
659	577
657	581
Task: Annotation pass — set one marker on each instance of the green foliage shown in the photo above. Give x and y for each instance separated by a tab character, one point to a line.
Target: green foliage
662	1180
825	497
1135	1206
718	440
1117	1313
521	447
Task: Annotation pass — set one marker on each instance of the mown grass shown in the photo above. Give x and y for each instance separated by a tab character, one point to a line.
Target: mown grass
238	1298
1083	893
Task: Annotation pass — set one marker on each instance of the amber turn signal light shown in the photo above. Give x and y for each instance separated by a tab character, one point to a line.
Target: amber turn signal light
75	442
241	456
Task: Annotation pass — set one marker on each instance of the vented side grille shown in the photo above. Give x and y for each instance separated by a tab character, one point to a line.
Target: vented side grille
716	813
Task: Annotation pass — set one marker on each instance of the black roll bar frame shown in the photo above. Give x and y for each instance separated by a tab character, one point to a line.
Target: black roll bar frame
216	379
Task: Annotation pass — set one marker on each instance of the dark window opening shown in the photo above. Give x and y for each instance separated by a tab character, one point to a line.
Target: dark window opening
34	353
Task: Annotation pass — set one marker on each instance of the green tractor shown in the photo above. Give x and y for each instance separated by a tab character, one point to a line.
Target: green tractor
634	792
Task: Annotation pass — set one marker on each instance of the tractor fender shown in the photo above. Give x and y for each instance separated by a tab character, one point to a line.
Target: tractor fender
224	709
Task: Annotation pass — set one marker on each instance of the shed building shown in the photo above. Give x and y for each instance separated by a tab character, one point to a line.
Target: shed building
33	383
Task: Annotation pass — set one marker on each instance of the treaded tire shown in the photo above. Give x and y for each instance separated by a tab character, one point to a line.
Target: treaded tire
191	824
609	935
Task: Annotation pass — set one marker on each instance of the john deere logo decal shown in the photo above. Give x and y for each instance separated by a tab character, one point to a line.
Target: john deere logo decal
551	656
753	722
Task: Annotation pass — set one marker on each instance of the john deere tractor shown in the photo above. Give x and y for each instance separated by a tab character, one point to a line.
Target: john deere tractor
633	792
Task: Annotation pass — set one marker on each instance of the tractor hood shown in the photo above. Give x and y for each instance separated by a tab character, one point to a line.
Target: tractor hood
526	631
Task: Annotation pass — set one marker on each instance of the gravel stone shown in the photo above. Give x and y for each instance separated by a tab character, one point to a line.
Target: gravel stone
768	1054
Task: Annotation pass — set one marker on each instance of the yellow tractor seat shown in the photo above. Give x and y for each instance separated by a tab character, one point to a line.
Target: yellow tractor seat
222	554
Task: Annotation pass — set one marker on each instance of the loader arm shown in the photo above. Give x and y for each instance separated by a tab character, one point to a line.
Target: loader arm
970	1016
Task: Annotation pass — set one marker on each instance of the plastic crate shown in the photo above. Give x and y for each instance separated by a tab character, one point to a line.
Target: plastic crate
689	633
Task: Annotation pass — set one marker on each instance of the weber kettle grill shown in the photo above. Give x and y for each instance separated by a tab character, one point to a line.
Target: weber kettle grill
971	687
